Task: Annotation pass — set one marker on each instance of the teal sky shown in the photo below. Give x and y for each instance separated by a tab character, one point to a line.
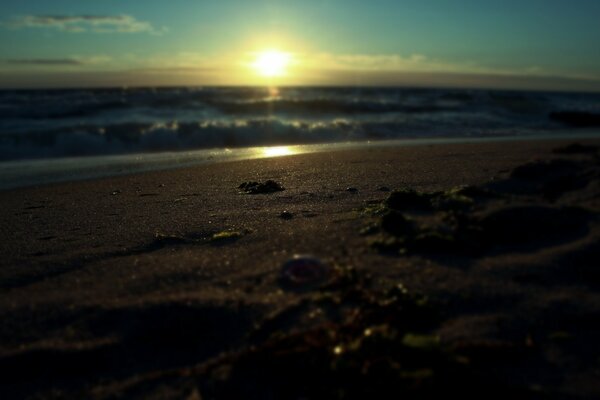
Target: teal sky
551	44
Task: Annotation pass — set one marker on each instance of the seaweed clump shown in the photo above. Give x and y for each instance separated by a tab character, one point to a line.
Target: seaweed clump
467	221
226	236
253	187
429	222
409	199
350	341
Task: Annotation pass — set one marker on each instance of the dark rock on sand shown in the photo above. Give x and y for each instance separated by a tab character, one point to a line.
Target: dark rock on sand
576	119
253	187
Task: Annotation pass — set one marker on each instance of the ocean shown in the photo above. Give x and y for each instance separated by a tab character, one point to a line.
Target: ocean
69	129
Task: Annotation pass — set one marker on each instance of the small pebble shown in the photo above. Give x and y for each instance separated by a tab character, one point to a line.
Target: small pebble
352	190
286	215
303	271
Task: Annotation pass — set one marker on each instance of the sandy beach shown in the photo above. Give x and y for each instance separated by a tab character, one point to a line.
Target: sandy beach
469	268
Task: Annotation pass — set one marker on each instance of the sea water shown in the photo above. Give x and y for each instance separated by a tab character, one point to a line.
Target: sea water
54	135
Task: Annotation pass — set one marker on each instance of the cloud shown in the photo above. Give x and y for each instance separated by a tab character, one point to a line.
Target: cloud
44	61
383	64
397	63
370	62
66	61
86	23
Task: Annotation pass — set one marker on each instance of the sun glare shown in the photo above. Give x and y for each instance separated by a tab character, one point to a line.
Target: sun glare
277	151
271	63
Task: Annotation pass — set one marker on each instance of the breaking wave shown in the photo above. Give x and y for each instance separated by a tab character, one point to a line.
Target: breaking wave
60	123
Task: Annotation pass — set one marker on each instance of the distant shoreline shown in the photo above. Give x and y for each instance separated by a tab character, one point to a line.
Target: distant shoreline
26	173
338	86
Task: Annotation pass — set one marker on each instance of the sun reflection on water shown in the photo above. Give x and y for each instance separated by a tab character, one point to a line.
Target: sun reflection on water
277	151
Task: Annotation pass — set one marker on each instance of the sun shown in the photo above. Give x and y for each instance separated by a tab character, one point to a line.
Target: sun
271	63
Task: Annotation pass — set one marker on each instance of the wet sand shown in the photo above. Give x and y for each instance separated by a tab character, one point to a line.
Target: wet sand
168	284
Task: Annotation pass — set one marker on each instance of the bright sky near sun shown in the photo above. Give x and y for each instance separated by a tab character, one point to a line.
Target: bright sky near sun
277	42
